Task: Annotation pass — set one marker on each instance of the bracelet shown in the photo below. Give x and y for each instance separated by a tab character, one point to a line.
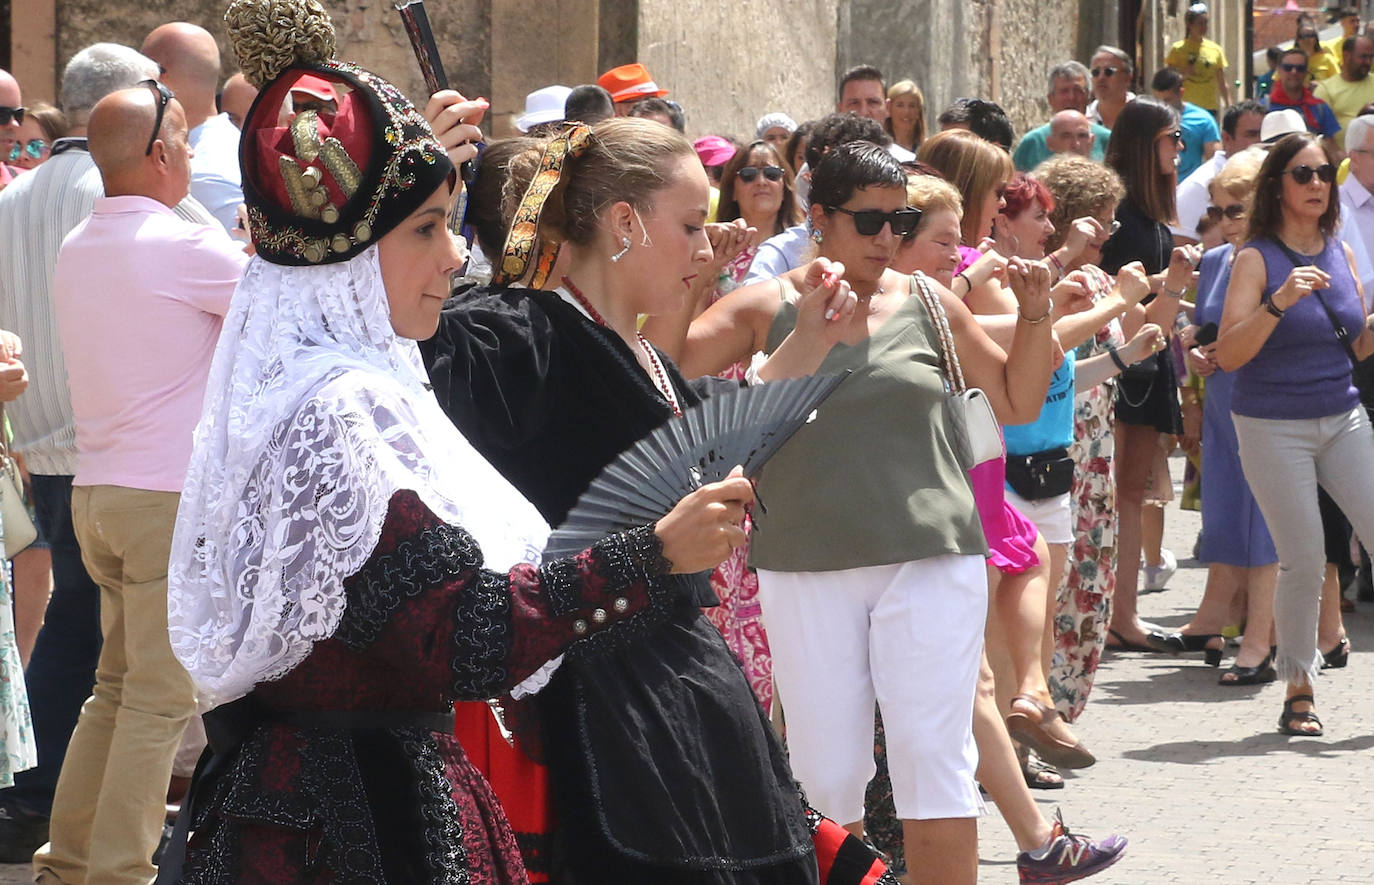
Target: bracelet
1273	308
1038	320
1058	265
1171	293
967	282
1116	357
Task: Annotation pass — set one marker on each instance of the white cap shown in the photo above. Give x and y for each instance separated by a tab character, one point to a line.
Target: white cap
543	106
1277	124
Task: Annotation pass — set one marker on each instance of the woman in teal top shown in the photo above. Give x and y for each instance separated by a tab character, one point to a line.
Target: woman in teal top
870	551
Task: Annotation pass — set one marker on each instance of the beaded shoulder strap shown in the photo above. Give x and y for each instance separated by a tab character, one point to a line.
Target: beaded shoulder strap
949	355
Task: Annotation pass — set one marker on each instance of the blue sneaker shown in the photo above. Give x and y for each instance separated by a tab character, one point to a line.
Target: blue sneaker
1068	857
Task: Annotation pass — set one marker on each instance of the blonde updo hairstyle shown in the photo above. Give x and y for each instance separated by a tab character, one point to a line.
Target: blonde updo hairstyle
1240	174
627	159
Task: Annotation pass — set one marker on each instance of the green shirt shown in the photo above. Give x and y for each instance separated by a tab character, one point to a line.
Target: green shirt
873	480
1032	150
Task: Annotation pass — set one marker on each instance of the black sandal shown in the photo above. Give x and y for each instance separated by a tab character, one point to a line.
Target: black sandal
1264	673
1291	716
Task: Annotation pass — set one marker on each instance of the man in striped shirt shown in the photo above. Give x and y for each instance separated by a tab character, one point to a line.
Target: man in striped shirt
37	212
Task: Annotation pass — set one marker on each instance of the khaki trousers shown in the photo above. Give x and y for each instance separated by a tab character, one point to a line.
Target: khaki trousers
109	808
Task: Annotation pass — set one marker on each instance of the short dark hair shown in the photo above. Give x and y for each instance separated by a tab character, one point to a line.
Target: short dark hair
1266	211
860	72
1166	80
589	104
800	136
985	119
672	110
1273	54
1348	46
834	130
1231	119
851	166
1293	50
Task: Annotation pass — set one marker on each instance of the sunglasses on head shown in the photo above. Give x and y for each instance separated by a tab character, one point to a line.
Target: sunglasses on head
1303	174
869	222
749	173
1104	72
164	95
1292	67
1235	212
36	148
7	114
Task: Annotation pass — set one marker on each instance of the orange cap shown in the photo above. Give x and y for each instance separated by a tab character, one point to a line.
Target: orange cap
629	82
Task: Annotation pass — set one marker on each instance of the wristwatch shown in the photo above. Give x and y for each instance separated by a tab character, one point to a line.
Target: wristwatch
1269	305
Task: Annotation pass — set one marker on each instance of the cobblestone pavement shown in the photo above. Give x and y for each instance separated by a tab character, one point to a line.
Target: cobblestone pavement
1196	774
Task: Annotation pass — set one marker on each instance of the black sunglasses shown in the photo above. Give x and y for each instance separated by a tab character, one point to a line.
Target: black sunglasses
1291	67
7	114
164	95
749	173
1235	212
1104	72
1303	174
869	222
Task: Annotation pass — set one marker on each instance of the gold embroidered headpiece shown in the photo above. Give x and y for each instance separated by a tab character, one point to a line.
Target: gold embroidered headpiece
321	186
524	229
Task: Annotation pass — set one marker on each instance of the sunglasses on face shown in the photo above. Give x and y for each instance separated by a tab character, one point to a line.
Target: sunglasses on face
164	95
1303	174
1104	72
36	148
1291	67
7	114
869	222
1176	135
1235	212
748	173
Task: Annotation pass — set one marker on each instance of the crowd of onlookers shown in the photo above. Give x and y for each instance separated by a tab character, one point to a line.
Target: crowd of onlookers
1118	282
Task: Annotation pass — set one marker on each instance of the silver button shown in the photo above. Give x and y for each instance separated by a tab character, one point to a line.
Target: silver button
579	626
621	604
599	616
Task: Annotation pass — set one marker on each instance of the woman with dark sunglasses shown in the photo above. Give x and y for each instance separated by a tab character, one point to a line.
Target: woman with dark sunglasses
43	124
871	548
1292	327
1144	151
1321	62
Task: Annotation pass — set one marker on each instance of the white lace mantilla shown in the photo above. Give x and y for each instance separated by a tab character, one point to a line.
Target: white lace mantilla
316	413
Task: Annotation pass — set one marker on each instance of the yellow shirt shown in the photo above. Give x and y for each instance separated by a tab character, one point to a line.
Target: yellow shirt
1322	64
1207	60
1346	99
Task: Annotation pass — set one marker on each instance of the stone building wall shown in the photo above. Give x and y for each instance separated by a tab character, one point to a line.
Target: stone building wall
726	63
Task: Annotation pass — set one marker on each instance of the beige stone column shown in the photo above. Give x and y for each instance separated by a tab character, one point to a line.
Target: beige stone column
538	43
33	35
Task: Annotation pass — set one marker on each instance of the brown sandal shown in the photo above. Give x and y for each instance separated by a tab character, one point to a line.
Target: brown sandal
1030	730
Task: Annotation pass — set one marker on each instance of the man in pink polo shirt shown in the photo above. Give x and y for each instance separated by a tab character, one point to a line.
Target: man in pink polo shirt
140	297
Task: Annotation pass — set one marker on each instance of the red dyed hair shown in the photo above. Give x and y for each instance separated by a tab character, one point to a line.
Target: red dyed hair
1023	190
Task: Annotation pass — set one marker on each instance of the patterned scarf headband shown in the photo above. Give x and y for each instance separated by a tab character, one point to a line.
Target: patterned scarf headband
524	229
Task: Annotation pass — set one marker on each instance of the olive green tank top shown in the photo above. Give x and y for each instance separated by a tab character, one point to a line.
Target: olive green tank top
873	480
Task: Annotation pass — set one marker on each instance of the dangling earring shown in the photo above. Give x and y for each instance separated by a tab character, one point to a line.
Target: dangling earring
817	236
624	242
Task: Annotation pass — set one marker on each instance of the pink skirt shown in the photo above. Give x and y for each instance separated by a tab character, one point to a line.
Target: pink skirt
1011	537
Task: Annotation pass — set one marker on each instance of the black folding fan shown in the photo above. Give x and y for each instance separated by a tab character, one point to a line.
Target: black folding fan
741	427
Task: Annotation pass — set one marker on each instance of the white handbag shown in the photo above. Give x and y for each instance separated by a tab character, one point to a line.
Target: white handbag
16	526
974	430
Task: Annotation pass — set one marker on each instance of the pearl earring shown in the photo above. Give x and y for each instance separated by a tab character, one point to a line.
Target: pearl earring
625	244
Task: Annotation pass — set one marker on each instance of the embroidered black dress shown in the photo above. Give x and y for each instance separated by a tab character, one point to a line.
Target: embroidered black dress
663	767
424	624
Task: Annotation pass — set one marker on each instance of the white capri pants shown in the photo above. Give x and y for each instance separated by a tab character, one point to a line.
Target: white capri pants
909	635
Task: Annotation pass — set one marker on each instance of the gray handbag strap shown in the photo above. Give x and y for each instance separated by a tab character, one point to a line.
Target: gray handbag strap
949	355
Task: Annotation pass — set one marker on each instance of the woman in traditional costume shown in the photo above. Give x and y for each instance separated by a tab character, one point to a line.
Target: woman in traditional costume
344	563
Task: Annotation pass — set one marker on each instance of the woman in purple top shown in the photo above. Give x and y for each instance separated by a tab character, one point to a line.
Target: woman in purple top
1293	325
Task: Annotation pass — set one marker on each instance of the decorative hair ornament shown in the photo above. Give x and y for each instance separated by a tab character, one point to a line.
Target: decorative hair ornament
572	141
328	184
